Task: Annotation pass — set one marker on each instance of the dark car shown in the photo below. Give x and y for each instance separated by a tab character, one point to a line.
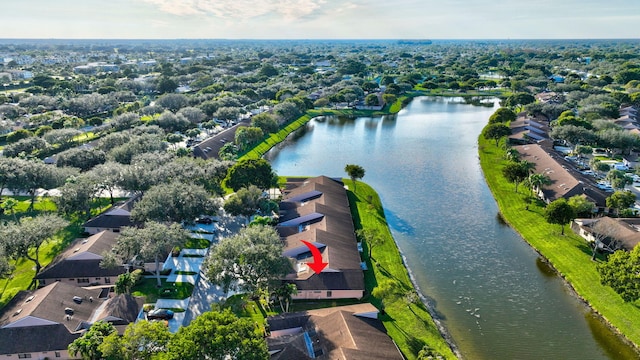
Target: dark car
160	314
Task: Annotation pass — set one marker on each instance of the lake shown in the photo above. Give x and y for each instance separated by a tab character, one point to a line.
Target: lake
490	290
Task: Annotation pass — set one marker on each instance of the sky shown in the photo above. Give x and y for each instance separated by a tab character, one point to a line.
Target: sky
320	19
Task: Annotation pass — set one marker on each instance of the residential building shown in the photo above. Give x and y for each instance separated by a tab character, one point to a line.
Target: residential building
345	332
42	323
116	217
79	265
317	211
610	233
565	183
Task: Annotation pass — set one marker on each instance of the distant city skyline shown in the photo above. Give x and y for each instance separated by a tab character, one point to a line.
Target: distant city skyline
320	19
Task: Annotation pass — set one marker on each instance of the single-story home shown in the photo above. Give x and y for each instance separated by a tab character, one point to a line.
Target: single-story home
344	332
113	219
79	265
610	233
317	211
42	323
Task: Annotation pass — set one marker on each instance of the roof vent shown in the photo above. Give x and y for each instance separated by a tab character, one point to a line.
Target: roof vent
76	250
29	298
85	241
17	312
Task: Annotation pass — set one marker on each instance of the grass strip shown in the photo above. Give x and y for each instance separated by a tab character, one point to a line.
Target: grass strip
568	254
409	325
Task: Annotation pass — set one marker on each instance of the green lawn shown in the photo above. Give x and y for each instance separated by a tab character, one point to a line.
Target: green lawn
148	288
569	254
24	271
410	326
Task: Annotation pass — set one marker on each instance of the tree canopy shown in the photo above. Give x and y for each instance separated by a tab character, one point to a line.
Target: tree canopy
249	260
248	172
559	212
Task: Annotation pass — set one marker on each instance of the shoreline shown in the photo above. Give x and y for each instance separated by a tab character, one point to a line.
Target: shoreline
511	221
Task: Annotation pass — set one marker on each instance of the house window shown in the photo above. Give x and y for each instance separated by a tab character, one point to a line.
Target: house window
329	293
107	280
116	230
43	282
57	353
24	356
81	281
98	279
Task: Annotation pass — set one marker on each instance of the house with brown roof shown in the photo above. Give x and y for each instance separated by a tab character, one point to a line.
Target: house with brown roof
613	233
317	211
209	148
345	332
79	265
526	130
42	323
565	183
113	219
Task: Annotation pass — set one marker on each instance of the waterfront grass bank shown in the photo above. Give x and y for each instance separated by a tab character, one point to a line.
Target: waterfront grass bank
568	254
409	323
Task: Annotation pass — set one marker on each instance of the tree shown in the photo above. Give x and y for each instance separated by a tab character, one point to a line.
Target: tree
620	200
538	182
81	158
559	212
372	237
25	147
621	272
372	99
76	195
153	240
142	340
245	202
355	173
174	202
249	260
266	122
618	179
9	206
519	99
87	345
24	239
5	267
581	205
502	115
247	136
107	176
18	135
193	114
166	85
247	172
217	335
34	175
427	353
284	293
495	131
517	172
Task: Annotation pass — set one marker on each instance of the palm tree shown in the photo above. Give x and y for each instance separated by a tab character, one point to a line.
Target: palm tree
538	182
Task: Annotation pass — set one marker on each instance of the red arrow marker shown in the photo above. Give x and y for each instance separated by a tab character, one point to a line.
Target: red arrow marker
317	265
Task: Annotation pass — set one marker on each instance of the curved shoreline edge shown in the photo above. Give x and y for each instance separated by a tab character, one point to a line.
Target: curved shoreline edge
408	325
509	208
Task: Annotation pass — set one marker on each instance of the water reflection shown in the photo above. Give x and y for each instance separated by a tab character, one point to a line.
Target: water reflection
424	165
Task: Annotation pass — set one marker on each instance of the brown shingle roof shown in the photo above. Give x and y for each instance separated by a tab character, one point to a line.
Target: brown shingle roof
334	231
82	259
345	332
116	217
210	148
33	319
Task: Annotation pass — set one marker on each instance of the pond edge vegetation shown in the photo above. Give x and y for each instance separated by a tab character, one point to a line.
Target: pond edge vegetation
565	254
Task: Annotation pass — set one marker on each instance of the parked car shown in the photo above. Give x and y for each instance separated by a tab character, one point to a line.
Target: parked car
588	172
160	314
602	185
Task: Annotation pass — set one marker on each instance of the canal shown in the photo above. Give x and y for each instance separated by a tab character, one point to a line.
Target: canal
490	290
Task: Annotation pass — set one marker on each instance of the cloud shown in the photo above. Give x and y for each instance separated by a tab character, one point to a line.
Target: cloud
288	10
